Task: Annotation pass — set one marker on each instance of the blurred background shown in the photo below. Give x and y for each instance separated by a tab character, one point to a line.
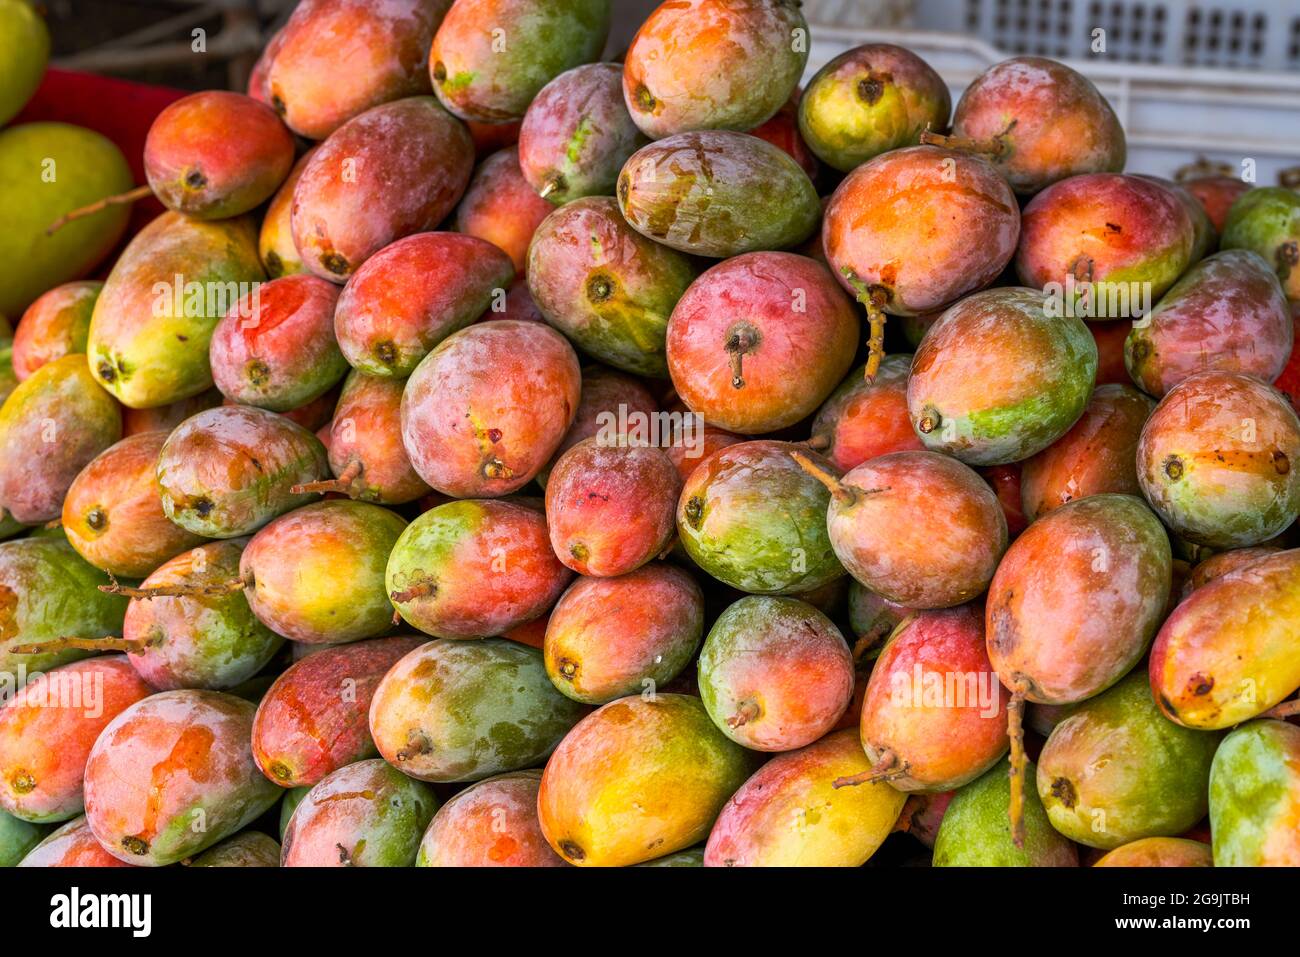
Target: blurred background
1218	79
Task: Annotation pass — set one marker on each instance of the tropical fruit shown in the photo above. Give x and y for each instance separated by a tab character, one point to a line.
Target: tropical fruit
72	845
55	325
1217	460
500	207
246	849
1266	221
275	240
714	65
1158	852
637	779
1254	794
869	100
17	838
862	419
25	47
490	824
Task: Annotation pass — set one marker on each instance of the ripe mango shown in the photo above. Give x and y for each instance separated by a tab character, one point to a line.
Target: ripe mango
365	442
490	824
501	208
1255	796
637	779
247	849
72	845
275	240
862	420
1159	852
54	326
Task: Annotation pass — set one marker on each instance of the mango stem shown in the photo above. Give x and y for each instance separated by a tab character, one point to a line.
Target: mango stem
213	589
819	443
122	199
345	483
886	769
839	491
1284	710
995	146
130	647
1016	732
747	712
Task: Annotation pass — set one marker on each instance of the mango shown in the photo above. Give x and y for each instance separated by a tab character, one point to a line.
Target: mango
153	322
292	798
1226	314
775	673
869	100
216	154
72	845
490	824
1097	455
367	814
1158	852
1115	769
412	295
386	44
474	569
487	408
164	418
501	208
173	775
17	838
55	325
1228	652
637	779
344	207
611	637
862	420
1221	563
609	401
1266	221
25	47
51	426
491	57
789	814
314	719
872	619
976	830
1215	192
46	171
1216	460
691	857
609	289
1255	796
464	711
705	193
246	849
782	131
48	728
714	65
275	239
751	518
228	471
971	404
759	341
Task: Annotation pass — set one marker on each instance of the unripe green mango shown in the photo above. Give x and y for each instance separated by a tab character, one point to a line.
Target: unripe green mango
1267	221
154	320
1116	769
1255	796
17	838
47	170
246	849
24	51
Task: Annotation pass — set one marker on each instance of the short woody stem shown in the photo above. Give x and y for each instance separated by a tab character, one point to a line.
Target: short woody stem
345	483
1019	763
839	491
886	769
213	589
122	199
82	644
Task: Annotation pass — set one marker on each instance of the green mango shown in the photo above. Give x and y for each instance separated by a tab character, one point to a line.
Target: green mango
249	849
1267	221
1116	769
8	378
1255	796
24	50
17	838
292	798
692	857
976	828
48	591
154	319
47	170
465	710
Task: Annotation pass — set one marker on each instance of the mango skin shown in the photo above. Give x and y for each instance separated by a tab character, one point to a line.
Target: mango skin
1227	313
51	427
500	207
637	779
1159	852
706	193
916	229
55	325
712	64
474	569
976	828
275	239
48	728
477	77
754	520
464	711
605	286
1115	769
490	824
1267	221
959	406
314	719
316	575
1255	796
386	42
869	100
165	761
1098	454
862	420
247	849
48	591
207	641
25	48
367	814
366	434
85	168
72	845
1217	460
611	637
142	349
779	320
1229	651
605	393
691	857
344	209
17	838
228	471
918	528
789	815
1077	598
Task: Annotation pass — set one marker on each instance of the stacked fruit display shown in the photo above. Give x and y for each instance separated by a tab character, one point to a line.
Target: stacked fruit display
499	457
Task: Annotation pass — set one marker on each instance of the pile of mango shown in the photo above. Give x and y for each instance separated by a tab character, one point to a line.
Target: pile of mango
496	456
